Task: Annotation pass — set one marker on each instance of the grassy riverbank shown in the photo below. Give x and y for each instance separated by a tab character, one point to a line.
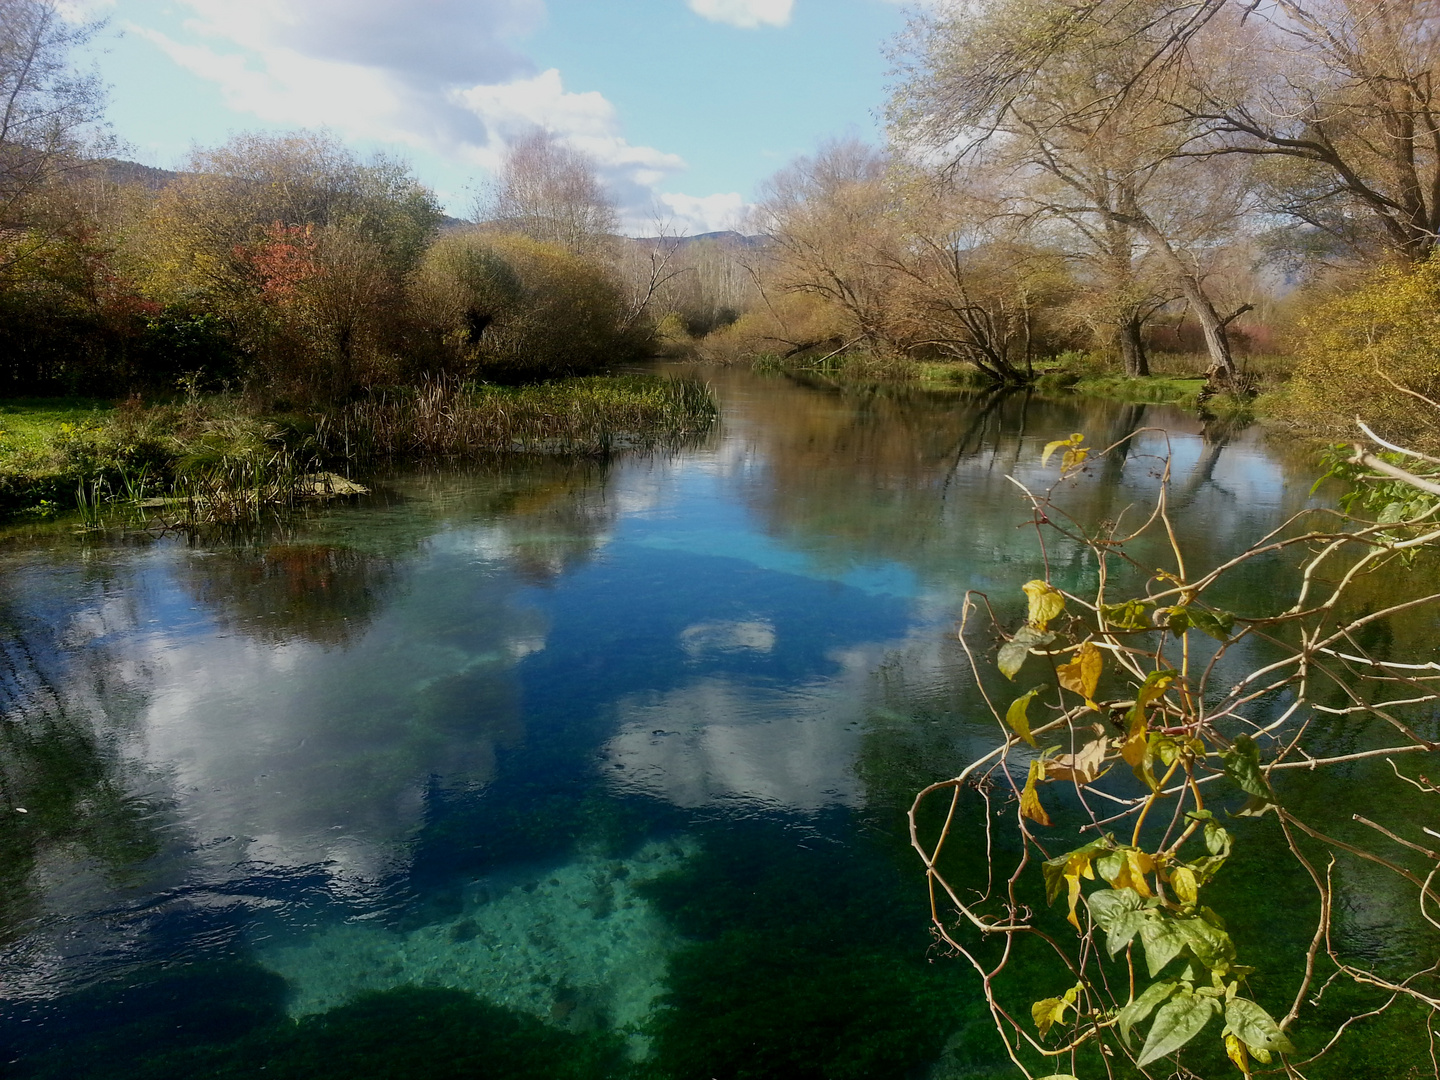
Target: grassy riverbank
57	455
1177	379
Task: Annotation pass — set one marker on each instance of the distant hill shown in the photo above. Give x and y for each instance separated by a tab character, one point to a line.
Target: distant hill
132	172
726	238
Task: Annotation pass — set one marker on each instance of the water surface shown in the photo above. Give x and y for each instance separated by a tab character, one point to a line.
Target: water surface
541	767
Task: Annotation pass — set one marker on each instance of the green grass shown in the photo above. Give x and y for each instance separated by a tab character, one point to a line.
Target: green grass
37	442
29	427
1159	389
60	455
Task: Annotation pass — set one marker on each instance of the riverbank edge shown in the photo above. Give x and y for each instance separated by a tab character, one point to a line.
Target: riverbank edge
59	455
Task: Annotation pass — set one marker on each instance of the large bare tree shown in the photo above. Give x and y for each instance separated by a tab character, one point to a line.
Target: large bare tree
1341	95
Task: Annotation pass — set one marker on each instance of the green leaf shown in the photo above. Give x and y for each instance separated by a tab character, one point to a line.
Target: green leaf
1179	1020
1163	942
1127	616
1059	1076
1210	945
1017	716
1176	619
1165	748
1242	764
1218	624
1143	1006
1218	840
1185	884
1120	913
1013	653
1255	1028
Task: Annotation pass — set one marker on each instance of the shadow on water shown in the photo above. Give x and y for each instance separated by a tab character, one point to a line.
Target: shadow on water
228	1021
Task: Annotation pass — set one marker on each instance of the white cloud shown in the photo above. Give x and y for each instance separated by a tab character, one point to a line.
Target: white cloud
587	121
706	213
746	14
439	76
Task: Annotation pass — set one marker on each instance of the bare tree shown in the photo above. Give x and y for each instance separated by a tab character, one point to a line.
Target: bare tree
1341	95
1080	109
830	218
46	106
550	192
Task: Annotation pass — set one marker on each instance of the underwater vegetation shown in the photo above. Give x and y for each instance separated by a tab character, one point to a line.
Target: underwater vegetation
572	945
225	1022
802	962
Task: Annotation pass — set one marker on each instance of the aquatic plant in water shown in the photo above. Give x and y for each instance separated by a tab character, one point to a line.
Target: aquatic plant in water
576	946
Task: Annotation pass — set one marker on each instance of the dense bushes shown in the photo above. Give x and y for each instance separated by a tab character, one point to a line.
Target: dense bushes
506	308
1369	352
290	269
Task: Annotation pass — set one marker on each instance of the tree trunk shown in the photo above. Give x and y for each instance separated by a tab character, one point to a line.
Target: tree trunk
1220	375
1132	348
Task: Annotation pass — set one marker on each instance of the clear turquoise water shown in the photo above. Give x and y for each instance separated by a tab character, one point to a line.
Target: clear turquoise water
539	768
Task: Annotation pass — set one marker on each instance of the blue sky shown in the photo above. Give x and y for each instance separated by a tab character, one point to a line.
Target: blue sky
686	105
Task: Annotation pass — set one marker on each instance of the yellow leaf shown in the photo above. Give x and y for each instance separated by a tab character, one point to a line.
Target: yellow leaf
1153	690
1139	864
1073	895
1046	602
1074	458
1078	865
1183	884
1083	767
1073	441
1047	1013
1029	800
1235	1050
1082	674
1132	750
1136	746
1130	867
1051	1011
1017	716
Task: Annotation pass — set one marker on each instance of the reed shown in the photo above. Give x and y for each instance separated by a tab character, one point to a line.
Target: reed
589	416
210	462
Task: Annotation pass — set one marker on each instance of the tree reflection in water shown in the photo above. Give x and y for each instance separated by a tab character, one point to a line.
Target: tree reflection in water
67	791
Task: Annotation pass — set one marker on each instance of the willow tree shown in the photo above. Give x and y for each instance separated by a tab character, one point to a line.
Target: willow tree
830	219
1078	106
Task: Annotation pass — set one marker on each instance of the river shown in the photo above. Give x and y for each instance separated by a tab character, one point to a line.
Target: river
541	768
